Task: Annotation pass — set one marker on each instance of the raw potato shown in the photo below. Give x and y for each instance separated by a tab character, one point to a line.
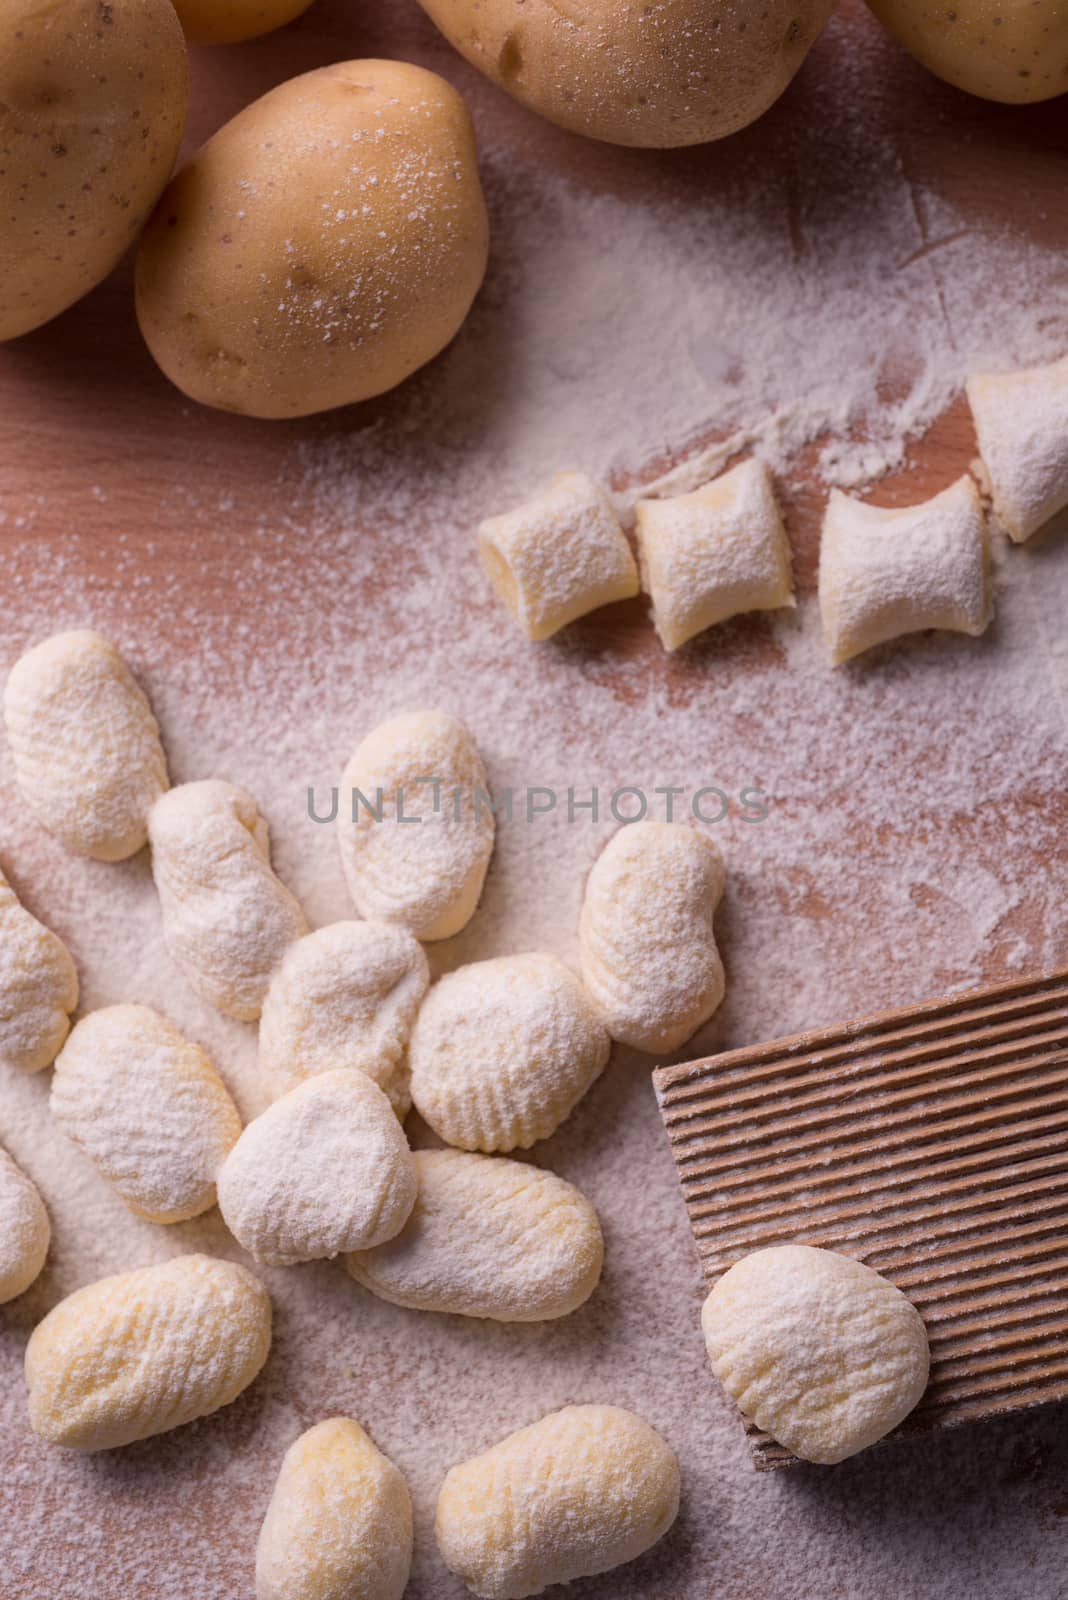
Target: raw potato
339	1525
92	107
322	246
1013	53
816	1348
24	1230
230	21
580	1492
38	987
678	72
135	1355
488	1238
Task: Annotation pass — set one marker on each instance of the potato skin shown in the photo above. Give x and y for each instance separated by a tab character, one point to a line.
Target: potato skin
322	246
230	21
1016	54
675	73
92	106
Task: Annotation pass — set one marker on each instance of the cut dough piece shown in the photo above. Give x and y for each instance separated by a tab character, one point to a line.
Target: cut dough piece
649	956
578	1493
25	1233
415	824
558	556
816	1348
1021	420
884	572
38	987
488	1237
715	553
503	1050
87	753
339	1525
345	996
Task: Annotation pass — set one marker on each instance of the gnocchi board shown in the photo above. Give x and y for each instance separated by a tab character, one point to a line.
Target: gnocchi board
280	587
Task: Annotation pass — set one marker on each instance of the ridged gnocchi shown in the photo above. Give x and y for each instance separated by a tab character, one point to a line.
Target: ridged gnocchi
38	987
137	1354
148	1108
339	1525
578	1493
345	996
649	956
415	826
503	1050
491	1238
325	1169
227	919
86	746
25	1232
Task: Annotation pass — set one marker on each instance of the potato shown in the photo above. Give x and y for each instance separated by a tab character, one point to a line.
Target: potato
674	73
92	105
1015	53
322	246
229	21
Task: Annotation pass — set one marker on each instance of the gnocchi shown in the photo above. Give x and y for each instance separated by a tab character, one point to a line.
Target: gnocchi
715	553
339	1525
817	1349
578	1493
488	1238
503	1050
86	746
325	1169
25	1233
345	996
38	987
649	956
558	556
1021	421
227	919
148	1108
146	1351
884	573
415	825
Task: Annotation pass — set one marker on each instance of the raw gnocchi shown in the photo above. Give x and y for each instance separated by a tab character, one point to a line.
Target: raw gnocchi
715	553
135	1355
649	956
86	746
884	573
503	1050
25	1232
816	1348
148	1108
227	919
488	1238
415	825
558	556
38	987
1021	421
325	1169
578	1493
345	996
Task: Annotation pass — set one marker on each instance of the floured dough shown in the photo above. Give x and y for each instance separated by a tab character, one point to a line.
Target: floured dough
38	987
1021	420
25	1232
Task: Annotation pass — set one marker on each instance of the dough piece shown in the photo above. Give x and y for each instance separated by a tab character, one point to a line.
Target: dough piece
817	1349
1021	420
578	1493
25	1233
502	1051
710	555
325	1169
227	920
558	556
86	745
339	1525
488	1238
345	996
38	987
416	852
135	1355
649	957
148	1108
884	573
